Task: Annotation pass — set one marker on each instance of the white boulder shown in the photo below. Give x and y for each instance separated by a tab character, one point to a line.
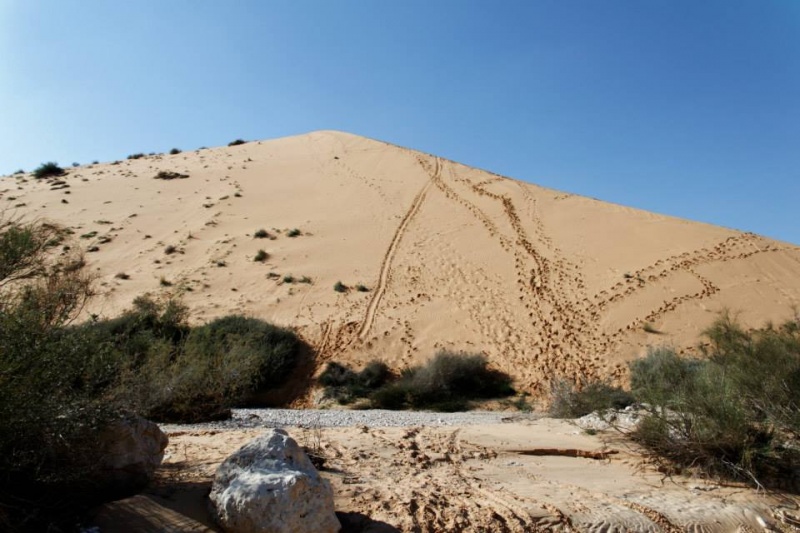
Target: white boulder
130	450
269	485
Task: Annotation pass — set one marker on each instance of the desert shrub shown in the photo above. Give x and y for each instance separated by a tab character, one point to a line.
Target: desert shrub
293	232
362	288
170	175
573	400
51	378
340	287
261	256
237	142
448	382
46	170
733	412
346	386
174	151
261	234
136	156
170	249
18	172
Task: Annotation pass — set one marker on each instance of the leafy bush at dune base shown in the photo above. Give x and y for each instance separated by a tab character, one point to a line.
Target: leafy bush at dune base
63	382
347	386
447	382
734	412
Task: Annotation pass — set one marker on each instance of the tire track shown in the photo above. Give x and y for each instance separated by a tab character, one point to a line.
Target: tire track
386	266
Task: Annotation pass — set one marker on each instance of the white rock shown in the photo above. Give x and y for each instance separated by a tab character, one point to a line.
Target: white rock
269	485
130	452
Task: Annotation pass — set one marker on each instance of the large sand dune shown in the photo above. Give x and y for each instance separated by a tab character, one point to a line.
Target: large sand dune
545	283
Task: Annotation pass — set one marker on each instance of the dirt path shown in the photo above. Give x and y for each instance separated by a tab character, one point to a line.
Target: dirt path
517	476
386	265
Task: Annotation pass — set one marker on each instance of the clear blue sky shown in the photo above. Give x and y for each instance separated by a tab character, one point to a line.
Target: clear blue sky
684	107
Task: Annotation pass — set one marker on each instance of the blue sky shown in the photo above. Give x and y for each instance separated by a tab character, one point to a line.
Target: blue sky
676	106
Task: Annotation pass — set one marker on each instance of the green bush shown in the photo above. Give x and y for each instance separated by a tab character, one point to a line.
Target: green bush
46	170
174	151
170	175
50	379
261	234
571	400
732	413
448	382
346	386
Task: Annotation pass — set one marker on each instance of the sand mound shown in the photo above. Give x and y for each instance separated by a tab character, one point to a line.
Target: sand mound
545	283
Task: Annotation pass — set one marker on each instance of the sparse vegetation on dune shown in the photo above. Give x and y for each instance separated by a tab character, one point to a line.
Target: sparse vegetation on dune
237	142
47	170
170	175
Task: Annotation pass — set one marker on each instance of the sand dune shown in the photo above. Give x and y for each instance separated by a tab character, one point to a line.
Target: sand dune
545	283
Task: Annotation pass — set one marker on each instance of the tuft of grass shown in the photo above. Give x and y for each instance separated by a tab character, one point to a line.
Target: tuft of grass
237	142
170	249
362	288
261	256
46	170
261	234
340	287
293	232
164	282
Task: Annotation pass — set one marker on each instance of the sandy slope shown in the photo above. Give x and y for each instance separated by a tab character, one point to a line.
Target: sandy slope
545	283
520	476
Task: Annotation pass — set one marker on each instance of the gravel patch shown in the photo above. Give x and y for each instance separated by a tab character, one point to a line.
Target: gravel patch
329	418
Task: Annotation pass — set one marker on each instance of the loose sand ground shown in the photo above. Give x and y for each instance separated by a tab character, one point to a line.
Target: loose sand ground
522	475
547	284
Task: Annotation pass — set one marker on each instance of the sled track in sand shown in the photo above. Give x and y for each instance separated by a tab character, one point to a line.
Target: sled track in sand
386	266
